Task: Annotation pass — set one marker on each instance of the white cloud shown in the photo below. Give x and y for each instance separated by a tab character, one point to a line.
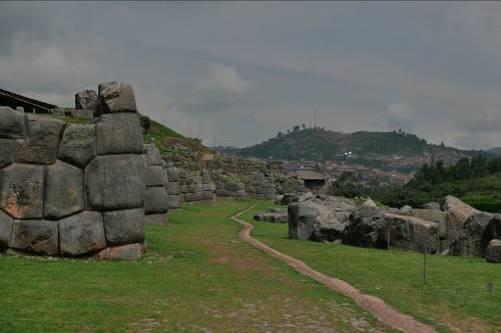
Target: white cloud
221	89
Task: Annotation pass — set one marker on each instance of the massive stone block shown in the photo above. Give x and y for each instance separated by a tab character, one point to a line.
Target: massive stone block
78	145
124	226
22	191
86	100
81	234
7	149
119	133
156	200
6	225
172	188
115	97
64	194
12	123
41	145
36	236
123	252
115	182
153	155
154	176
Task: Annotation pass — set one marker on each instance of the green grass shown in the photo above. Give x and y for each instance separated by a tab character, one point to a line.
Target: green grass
456	287
197	276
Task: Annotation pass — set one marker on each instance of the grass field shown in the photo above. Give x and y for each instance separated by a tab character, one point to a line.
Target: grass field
196	277
455	295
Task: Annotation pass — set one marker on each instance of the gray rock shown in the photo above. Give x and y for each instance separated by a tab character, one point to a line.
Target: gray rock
81	234
173	174
12	123
37	236
78	145
82	114
7	150
6	225
470	240
156	219
153	155
124	226
154	176
41	145
174	201
115	97
115	182
366	228
432	205
86	100
156	200
64	193
22	191
411	233
369	203
406	210
172	187
493	251
119	133
123	252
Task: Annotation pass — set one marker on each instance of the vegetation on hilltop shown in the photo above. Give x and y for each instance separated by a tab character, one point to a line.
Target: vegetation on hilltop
374	149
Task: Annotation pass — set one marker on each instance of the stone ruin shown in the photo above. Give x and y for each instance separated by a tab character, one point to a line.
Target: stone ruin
76	189
457	229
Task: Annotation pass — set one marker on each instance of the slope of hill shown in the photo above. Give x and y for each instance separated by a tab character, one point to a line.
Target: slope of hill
495	151
184	152
387	150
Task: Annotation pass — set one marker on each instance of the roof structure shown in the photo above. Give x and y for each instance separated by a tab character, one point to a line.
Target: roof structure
13	100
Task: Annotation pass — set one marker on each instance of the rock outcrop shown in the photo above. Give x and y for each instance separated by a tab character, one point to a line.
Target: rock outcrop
493	252
73	189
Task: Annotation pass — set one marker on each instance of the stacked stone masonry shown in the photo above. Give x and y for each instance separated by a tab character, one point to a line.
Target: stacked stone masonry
156	203
74	189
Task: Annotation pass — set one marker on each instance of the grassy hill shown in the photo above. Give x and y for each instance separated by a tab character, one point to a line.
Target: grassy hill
185	152
376	149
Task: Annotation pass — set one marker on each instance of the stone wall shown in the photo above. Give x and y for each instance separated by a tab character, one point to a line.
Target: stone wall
156	201
74	189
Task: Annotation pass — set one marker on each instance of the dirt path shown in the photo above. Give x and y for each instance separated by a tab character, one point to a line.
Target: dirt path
374	305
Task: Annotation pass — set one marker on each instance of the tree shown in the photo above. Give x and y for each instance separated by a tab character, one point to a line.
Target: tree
296	128
303	126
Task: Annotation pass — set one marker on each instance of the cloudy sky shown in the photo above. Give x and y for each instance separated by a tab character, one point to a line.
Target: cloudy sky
236	73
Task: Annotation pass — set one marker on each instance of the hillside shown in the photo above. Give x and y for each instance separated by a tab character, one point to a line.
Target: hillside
386	150
495	151
184	152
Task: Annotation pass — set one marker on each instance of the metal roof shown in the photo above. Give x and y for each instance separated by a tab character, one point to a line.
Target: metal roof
23	100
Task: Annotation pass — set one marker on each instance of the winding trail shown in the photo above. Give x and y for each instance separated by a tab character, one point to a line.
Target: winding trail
382	311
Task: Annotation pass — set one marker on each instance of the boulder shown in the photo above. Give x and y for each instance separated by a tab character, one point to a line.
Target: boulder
115	97
367	228
153	155
81	234
493	251
41	145
173	174
124	226
37	236
122	252
468	240
156	200
6	225
405	210
320	220
119	134
156	219
115	182
432	205
411	233
78	145
22	191
369	203
7	150
64	193
86	100
12	123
